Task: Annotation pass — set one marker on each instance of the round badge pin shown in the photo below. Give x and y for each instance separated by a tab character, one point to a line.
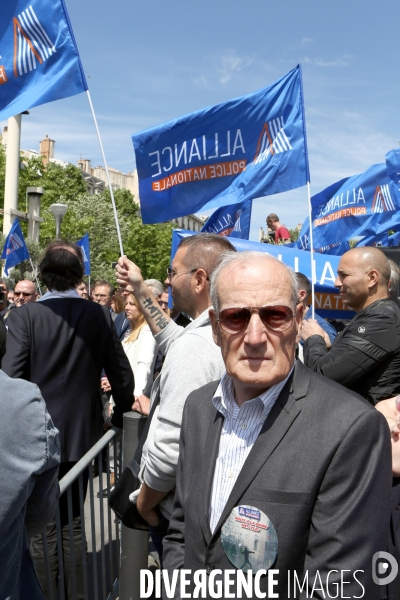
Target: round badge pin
249	539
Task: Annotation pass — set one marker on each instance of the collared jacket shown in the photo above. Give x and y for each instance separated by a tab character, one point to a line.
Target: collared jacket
365	356
29	485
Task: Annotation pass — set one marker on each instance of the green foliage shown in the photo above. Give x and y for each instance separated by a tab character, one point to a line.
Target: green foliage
148	245
294	234
2	176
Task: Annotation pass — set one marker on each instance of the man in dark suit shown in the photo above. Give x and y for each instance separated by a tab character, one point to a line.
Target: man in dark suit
62	343
274	436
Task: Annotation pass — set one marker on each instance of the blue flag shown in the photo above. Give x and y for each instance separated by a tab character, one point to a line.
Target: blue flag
15	250
362	205
233	220
83	243
39	60
303	243
382	239
242	149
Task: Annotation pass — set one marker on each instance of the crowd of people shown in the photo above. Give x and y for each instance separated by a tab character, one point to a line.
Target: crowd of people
253	403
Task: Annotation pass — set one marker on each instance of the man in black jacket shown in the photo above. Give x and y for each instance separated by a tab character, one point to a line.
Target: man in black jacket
62	343
365	356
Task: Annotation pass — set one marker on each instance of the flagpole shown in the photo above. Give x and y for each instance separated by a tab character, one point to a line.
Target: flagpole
107	173
311	253
35	276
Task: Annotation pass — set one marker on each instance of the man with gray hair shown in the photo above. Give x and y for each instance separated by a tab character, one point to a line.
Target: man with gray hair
155	286
394	279
274	457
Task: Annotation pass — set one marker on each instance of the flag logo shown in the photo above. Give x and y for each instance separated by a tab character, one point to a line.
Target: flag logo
382	199
304	242
272	140
31	42
14	243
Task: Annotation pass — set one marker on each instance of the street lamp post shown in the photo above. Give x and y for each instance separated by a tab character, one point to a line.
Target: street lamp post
58	211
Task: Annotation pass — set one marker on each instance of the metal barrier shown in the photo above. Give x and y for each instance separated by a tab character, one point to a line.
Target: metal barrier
78	555
85	553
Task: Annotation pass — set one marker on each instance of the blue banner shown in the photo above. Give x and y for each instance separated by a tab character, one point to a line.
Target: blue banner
242	149
83	243
303	243
233	220
361	205
39	60
15	250
328	301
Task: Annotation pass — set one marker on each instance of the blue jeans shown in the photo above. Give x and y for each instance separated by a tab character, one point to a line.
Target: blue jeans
158	534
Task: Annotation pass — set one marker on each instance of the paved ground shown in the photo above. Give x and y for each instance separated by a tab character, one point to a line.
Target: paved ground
97	561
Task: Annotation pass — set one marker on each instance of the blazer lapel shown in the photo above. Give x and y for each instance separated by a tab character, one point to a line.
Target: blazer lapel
211	449
284	412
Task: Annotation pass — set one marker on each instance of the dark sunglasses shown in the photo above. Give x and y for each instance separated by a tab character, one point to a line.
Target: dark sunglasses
24	294
235	320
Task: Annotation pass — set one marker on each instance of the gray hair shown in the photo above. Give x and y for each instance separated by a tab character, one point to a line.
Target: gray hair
156	286
394	277
246	257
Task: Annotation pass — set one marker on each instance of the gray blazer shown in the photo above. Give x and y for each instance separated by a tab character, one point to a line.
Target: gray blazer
29	491
321	471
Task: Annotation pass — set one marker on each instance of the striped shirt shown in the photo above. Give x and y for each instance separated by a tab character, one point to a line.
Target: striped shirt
240	430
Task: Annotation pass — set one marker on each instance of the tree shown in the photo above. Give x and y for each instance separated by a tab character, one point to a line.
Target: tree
148	245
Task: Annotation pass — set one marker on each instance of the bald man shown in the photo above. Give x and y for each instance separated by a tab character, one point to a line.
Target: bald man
25	291
365	356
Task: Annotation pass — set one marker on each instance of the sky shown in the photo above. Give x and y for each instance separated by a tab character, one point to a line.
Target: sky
149	62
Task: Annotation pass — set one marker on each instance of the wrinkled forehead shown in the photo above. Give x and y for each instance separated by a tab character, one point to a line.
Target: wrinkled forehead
254	284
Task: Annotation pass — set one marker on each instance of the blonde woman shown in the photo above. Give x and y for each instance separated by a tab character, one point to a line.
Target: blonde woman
141	349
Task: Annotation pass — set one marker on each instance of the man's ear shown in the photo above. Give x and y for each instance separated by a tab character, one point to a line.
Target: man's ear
299	320
201	279
373	277
302	295
215	326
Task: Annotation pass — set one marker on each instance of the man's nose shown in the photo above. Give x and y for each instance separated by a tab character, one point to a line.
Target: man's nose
167	282
338	283
256	332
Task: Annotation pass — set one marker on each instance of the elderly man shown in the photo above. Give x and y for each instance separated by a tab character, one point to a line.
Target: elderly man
365	356
25	291
103	293
273	437
192	359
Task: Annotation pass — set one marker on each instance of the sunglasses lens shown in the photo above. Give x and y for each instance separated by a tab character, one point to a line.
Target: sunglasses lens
277	318
233	320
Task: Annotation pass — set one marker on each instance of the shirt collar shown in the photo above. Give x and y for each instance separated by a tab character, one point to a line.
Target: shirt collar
224	397
51	294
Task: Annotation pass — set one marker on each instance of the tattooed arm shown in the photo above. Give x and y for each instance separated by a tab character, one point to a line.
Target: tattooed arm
129	274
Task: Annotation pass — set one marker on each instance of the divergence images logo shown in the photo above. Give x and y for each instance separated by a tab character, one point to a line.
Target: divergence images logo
31	42
380	566
272	140
382	199
15	243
